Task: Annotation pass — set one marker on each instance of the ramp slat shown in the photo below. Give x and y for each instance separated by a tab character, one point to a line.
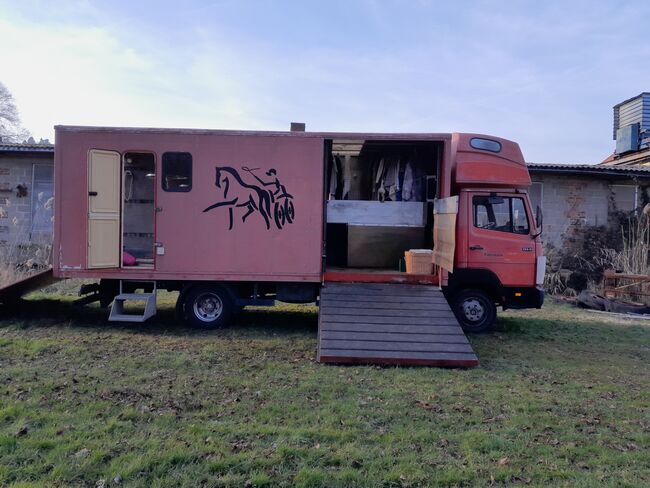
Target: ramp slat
439	311
398	328
423	305
380	319
390	324
392	337
389	298
379	345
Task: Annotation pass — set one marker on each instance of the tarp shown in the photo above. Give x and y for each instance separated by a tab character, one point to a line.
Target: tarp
445	211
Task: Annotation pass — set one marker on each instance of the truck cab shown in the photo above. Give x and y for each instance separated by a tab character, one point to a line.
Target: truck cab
498	250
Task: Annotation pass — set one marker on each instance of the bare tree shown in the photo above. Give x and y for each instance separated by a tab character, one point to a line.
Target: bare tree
11	129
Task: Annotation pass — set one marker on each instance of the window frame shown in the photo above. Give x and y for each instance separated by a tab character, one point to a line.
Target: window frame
165	171
492	217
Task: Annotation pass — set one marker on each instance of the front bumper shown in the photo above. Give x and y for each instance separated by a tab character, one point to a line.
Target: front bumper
517	297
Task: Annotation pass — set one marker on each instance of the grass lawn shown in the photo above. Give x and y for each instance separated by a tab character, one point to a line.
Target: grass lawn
562	397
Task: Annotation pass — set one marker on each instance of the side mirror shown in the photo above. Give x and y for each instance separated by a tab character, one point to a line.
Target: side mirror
539	220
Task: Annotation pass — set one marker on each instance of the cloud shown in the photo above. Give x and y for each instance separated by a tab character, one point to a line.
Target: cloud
544	74
71	74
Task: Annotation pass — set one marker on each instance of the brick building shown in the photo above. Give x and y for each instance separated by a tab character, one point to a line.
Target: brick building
576	196
26	201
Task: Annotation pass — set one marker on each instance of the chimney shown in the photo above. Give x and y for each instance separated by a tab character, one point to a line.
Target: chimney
298	127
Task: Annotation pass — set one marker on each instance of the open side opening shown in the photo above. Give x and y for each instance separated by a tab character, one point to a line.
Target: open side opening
138	212
379	204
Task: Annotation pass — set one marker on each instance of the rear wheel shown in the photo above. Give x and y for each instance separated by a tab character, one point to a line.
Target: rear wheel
475	310
207	307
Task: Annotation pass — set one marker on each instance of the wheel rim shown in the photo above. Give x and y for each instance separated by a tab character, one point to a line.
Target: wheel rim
473	310
208	307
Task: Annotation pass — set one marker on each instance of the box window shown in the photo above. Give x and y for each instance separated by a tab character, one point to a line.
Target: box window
177	171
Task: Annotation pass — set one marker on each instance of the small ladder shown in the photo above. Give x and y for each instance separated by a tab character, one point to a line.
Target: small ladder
118	313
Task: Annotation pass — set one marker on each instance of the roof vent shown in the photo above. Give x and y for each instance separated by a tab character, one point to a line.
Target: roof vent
298	127
627	139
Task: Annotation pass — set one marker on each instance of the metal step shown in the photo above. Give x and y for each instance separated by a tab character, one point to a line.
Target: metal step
118	313
375	323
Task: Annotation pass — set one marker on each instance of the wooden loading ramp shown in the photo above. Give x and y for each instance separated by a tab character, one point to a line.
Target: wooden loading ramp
381	323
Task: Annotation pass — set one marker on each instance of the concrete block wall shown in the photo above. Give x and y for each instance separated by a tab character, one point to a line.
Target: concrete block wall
569	203
16	211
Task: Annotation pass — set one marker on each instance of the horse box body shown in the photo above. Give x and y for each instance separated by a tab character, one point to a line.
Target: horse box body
251	208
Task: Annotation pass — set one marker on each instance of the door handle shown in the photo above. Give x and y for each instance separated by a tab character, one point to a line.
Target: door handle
92	193
475	248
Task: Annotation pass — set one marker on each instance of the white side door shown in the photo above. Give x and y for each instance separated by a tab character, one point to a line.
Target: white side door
104	197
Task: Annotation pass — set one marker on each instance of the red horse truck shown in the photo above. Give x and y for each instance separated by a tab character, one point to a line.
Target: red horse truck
236	218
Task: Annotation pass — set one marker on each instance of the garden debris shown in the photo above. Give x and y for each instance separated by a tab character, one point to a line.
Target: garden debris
593	301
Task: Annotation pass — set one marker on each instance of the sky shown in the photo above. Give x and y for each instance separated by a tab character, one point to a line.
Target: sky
544	74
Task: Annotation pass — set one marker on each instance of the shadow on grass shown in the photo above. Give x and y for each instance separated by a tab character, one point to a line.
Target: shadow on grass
52	312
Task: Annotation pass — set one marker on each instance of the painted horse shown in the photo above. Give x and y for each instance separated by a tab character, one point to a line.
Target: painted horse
239	194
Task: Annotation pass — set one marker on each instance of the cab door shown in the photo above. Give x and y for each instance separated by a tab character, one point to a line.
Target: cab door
104	196
499	237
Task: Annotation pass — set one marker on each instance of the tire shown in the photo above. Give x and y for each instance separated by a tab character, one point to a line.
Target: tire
207	307
475	310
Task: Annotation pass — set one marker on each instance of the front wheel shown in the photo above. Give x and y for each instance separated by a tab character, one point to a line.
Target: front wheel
207	307
475	310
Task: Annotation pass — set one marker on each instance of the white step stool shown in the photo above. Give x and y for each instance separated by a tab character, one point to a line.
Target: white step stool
118	313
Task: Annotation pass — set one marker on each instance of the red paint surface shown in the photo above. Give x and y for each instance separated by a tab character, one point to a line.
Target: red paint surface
199	245
502	252
472	167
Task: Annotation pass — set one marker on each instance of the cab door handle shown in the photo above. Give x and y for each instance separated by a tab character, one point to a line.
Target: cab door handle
475	248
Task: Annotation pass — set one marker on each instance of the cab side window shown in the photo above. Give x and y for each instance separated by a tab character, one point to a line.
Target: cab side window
500	214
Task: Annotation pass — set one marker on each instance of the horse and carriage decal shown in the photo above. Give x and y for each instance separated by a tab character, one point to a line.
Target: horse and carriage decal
268	198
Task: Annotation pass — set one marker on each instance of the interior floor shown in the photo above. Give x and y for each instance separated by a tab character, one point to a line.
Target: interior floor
376	275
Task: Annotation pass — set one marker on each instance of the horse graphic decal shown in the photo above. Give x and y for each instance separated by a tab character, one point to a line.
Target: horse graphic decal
267	198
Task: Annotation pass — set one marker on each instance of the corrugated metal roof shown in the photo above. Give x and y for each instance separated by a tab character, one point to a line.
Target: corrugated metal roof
589	169
631	98
15	147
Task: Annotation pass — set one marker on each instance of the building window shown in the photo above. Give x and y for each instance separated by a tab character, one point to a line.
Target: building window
177	171
625	197
42	197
